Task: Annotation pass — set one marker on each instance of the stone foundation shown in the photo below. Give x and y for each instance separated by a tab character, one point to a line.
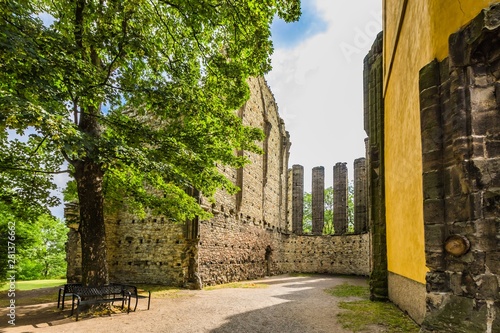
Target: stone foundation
408	295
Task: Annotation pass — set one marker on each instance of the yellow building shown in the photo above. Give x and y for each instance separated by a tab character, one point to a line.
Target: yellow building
432	92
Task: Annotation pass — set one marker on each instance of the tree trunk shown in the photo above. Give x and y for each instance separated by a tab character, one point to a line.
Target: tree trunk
89	179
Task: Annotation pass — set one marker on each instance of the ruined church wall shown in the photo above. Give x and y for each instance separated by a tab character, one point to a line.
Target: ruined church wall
150	250
243	239
346	254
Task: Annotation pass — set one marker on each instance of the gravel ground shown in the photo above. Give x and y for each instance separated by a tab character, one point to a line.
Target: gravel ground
289	304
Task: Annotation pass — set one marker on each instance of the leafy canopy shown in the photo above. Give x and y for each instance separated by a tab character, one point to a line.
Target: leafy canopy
145	89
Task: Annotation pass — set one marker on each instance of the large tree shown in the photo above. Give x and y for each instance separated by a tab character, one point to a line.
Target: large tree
138	96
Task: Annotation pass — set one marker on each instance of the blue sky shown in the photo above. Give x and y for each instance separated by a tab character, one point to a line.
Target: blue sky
317	80
286	35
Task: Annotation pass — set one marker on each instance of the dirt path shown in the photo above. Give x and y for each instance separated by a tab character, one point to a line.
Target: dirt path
288	304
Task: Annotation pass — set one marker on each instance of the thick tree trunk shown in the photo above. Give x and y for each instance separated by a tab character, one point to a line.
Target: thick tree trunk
89	179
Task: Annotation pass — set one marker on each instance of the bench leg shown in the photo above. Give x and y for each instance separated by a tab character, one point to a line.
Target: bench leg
59	298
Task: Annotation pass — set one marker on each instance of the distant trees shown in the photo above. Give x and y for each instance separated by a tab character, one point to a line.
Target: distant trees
328	228
39	247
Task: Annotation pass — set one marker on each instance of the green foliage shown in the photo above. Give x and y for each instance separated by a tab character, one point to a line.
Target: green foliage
40	252
24	236
24	183
46	256
307	218
328	228
145	89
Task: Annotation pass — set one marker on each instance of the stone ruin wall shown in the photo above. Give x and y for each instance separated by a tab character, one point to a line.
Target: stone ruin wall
249	236
233	243
328	254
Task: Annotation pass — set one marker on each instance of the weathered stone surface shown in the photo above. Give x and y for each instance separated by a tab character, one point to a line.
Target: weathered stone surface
360	196
374	128
297	199
318	200
340	183
461	179
444	317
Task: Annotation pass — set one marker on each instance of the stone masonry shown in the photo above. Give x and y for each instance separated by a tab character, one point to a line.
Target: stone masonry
318	200
360	197
374	128
340	182
460	123
297	198
254	233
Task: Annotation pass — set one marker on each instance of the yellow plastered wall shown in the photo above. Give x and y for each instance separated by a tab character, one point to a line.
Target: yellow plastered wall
415	32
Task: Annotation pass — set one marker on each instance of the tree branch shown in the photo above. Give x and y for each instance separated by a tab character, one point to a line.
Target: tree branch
36	171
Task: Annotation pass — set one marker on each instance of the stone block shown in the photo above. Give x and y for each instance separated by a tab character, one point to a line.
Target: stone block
444	316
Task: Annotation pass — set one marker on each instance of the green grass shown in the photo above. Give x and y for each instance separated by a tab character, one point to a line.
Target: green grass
361	314
34	284
347	290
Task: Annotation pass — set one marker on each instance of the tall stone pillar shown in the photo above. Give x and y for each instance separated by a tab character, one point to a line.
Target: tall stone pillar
297	198
340	198
374	128
318	200
360	196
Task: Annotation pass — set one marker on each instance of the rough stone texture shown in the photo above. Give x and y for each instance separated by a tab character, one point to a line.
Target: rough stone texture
249	234
318	200
243	241
360	197
332	254
374	128
340	182
408	295
460	125
297	198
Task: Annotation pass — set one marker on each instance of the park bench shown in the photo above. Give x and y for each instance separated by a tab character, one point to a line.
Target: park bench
66	291
99	295
133	293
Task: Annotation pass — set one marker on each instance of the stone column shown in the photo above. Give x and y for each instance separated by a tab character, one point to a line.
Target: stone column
360	197
374	127
318	200
340	198
297	198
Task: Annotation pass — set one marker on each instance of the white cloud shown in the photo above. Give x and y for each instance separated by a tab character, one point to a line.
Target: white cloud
320	87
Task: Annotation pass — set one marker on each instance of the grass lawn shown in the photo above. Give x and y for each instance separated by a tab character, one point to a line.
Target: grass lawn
34	284
360	314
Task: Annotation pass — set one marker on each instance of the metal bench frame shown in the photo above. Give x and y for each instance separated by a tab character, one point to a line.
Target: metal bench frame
132	291
98	295
66	291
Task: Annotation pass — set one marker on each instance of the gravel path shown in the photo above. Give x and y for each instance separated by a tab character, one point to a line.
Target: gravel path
288	304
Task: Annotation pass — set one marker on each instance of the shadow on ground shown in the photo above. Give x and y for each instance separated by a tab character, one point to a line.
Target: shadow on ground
305	307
